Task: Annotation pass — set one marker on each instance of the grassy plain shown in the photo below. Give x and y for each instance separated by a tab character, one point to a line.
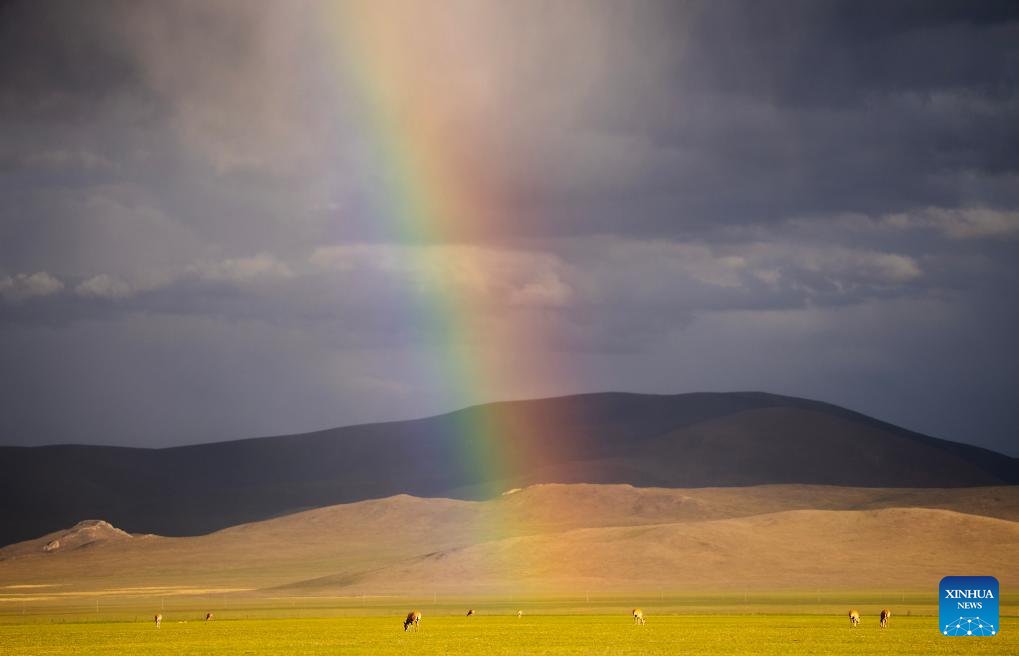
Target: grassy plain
532	634
722	624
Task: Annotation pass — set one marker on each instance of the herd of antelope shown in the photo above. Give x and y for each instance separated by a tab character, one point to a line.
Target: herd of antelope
159	618
854	618
414	618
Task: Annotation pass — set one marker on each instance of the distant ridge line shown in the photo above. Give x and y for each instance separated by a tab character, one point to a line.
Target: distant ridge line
704	439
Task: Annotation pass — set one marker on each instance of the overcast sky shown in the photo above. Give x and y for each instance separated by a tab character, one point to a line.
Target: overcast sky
202	235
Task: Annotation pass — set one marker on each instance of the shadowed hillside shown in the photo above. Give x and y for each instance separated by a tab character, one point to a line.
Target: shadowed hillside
646	440
561	537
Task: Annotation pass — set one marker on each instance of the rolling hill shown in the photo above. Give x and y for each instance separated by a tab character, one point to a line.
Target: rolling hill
689	440
549	538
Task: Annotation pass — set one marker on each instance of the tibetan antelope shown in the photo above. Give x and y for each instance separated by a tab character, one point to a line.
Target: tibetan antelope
208	616
854	617
159	619
413	619
638	616
520	614
470	612
885	616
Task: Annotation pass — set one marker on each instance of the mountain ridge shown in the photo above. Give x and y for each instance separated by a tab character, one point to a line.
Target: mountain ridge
739	438
548	537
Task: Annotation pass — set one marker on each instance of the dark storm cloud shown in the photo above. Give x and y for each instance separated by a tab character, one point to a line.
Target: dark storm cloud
839	54
651	119
61	60
817	198
754	113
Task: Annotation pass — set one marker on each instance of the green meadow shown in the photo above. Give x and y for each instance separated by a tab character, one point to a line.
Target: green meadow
765	624
550	634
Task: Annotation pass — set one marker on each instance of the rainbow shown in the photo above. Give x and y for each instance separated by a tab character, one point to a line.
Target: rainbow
430	200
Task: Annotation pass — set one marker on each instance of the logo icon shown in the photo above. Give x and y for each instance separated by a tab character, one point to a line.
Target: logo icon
969	606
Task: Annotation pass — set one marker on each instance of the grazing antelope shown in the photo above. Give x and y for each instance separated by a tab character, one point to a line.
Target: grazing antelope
520	613
470	612
208	616
854	617
159	619
413	619
638	616
885	616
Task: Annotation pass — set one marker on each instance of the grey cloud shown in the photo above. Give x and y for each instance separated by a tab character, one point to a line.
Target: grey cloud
964	223
103	286
24	286
571	289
